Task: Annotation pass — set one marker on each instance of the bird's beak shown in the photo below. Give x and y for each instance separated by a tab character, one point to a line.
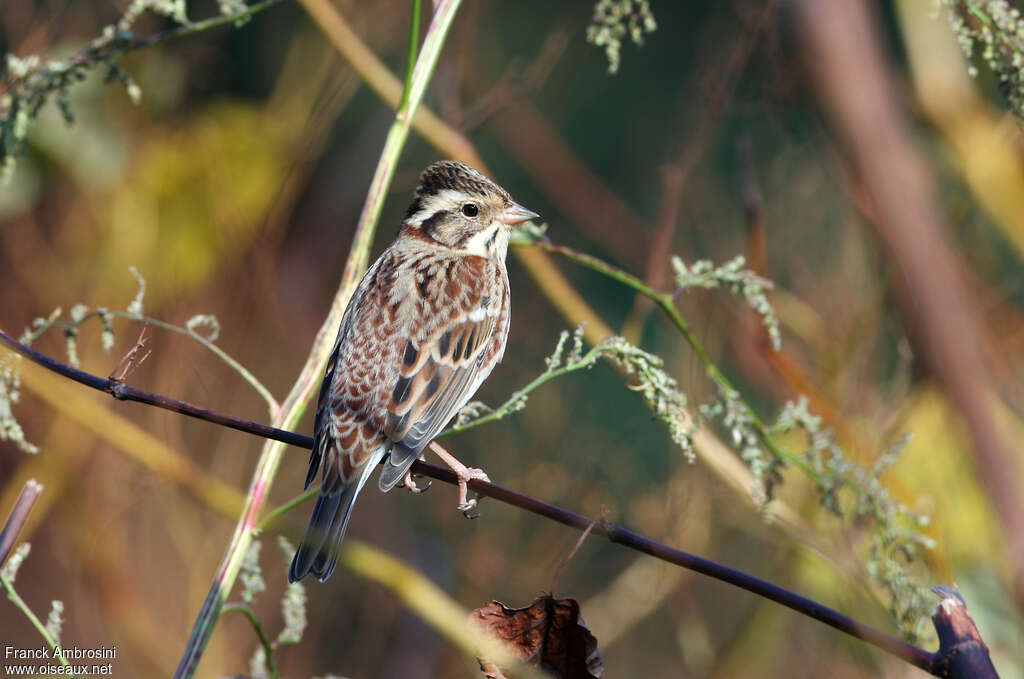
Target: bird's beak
516	214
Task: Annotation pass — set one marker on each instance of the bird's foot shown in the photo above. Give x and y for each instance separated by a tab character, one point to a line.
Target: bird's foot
464	475
410	485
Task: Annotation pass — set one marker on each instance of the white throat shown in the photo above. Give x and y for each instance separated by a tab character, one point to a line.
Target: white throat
491	242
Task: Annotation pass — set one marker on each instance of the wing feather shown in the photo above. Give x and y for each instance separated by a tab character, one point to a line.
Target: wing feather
440	372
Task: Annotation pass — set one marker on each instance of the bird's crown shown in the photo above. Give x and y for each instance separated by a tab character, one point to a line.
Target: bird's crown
453	175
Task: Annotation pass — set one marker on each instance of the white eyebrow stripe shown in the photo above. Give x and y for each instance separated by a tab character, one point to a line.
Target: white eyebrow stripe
445	199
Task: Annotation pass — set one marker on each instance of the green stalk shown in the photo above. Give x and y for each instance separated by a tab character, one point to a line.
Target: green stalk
268	648
295	404
515	401
204	25
444	13
19	603
410	63
666	303
286	507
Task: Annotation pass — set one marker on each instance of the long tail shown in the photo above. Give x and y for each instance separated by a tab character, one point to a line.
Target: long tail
318	551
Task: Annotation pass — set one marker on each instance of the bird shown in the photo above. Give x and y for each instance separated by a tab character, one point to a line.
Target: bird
424	328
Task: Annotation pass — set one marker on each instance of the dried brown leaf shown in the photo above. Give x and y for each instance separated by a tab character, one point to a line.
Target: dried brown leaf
549	633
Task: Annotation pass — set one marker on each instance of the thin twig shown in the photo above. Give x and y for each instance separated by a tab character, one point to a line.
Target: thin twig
617	534
19	603
518	398
189	332
18	516
753	204
676	174
672	182
518	81
117	49
199	26
268	648
13	525
128	363
572	552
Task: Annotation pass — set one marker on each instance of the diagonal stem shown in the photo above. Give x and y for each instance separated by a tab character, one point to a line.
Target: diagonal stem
18	516
295	404
666	303
13	526
268	647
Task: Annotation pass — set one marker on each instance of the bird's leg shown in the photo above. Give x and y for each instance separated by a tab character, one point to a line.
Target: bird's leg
410	485
464	474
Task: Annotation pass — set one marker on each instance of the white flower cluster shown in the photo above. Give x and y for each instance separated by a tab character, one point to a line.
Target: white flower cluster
10	383
658	388
613	20
741	282
997	28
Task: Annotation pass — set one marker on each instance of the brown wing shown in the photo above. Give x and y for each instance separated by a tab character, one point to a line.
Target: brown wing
348	440
446	360
350	414
426	395
341	413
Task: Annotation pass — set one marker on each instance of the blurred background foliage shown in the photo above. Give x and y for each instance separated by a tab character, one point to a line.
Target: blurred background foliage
234	187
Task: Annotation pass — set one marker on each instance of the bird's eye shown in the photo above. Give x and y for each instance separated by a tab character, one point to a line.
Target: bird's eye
470	210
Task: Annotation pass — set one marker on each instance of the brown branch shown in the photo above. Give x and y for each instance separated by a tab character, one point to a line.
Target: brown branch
617	534
123	392
519	80
961	652
555	167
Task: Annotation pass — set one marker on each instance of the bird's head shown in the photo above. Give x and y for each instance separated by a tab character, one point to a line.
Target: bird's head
461	209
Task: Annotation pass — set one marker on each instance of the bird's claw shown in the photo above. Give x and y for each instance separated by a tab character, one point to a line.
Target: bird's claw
465	475
411	486
467	509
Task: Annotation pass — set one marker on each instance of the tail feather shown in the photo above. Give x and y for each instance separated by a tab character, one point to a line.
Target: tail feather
318	551
395	467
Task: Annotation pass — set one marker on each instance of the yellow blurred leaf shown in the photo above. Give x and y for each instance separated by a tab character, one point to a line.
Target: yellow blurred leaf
193	200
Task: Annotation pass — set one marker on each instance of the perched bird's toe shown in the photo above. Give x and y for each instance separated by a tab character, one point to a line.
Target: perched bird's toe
472	474
410	484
